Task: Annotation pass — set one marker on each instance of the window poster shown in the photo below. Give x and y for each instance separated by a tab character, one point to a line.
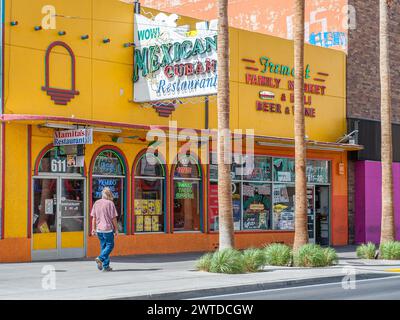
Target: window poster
256	206
148	223
283	169
158	210
283	207
49	205
139	223
148	215
236	206
138	207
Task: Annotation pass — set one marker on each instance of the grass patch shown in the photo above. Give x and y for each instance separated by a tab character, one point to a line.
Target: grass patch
390	250
253	259
277	254
366	251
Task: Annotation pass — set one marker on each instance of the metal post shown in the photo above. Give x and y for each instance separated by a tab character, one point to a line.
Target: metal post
137	6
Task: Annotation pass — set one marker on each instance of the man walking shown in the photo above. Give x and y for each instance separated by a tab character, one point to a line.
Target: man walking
104	223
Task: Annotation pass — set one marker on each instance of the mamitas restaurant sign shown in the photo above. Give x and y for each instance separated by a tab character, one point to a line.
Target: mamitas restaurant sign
170	62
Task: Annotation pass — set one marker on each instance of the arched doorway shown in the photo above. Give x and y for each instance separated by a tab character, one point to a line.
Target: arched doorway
58	207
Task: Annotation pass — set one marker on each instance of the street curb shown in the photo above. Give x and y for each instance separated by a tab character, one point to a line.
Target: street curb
198	293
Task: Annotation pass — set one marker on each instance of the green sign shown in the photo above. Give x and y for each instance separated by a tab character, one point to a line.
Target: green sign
184	190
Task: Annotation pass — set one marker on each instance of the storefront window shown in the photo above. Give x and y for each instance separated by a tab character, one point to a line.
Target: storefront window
149	200
260	170
187	188
283	170
283	199
256	206
236	205
318	171
263	195
109	171
56	161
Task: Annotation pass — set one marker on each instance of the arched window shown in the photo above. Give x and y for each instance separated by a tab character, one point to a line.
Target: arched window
56	161
149	194
109	171
187	193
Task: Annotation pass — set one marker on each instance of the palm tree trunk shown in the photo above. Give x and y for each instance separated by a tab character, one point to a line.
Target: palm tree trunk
226	232
387	225
301	233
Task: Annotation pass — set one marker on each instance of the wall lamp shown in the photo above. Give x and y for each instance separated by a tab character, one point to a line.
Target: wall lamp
62	33
38	28
58	126
107	130
106	40
13	23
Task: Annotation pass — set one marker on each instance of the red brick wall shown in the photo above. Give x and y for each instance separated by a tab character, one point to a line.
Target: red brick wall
363	84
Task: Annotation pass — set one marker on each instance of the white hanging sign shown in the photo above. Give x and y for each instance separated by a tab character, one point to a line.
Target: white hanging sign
172	62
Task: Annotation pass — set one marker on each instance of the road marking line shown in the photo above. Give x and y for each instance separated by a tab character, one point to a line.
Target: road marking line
392	270
290	288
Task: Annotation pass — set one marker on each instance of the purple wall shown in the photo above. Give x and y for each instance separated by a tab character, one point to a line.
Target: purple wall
368	200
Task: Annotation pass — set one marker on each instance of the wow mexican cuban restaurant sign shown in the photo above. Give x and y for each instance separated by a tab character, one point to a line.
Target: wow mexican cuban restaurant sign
171	63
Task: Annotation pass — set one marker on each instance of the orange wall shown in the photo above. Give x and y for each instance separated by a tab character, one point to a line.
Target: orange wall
190	242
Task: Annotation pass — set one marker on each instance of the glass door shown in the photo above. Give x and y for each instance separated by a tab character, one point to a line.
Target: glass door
44	217
311	213
72	218
58	218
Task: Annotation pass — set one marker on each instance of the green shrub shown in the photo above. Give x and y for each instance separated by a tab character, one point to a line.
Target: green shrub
312	255
227	261
366	251
253	259
277	254
390	250
331	257
204	263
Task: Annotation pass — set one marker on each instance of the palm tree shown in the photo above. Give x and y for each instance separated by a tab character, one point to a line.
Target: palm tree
301	232
226	230
387	225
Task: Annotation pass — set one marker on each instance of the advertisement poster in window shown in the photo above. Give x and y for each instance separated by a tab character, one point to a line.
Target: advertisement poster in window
256	206
283	199
236	206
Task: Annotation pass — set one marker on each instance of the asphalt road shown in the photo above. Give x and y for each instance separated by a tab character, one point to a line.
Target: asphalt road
371	289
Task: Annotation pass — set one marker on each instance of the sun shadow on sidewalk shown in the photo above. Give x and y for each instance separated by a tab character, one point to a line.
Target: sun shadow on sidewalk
127	270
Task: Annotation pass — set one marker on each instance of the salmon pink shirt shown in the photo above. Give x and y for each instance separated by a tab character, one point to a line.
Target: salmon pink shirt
104	211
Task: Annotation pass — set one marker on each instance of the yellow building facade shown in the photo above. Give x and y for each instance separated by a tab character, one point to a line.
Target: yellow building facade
78	74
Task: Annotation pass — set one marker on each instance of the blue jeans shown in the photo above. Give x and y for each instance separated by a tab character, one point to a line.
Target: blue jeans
107	245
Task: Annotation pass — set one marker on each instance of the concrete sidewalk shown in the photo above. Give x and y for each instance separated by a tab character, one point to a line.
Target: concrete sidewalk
165	276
